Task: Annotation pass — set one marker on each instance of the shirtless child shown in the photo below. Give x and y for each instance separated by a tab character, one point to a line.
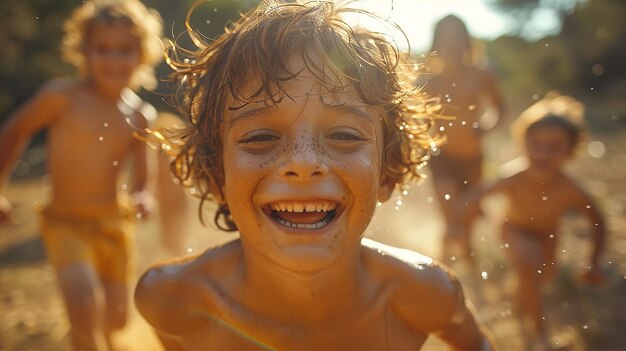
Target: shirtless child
538	198
299	125
90	122
465	91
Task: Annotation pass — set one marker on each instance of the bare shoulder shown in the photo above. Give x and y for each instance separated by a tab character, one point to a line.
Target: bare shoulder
58	93
45	108
425	294
174	295
576	193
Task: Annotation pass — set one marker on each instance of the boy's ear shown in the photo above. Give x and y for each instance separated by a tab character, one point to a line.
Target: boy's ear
385	189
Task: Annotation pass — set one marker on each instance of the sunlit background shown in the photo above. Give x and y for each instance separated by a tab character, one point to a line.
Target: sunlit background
577	47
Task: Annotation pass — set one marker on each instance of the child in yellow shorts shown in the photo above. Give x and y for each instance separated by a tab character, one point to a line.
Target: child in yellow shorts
90	122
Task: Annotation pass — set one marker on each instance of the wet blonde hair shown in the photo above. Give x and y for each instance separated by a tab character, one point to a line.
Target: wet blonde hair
147	27
356	61
554	109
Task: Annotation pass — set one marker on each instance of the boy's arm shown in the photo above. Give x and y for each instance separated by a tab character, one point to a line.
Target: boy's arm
589	209
494	94
142	166
462	331
468	209
36	114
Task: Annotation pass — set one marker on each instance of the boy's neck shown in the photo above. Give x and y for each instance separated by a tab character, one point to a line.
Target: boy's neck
112	95
306	298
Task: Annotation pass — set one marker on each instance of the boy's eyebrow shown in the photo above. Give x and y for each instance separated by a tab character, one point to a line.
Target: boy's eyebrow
247	114
346	108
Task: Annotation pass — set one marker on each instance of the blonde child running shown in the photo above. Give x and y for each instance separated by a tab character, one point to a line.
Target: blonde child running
299	125
466	92
90	121
538	198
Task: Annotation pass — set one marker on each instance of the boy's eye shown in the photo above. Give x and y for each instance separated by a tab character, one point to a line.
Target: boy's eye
345	136
258	138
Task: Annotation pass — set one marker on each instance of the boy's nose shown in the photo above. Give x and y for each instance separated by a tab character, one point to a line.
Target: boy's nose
303	163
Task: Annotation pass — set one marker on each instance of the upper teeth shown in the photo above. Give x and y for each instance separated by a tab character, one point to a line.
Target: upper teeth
309	206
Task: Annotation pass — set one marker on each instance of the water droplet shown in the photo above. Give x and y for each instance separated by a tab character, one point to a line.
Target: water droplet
215	10
106	124
597	70
452	258
378	204
564	250
430	199
115	163
535	97
547	44
450	124
551	236
475	125
442	128
189	250
208	21
539	271
399	202
124	186
506	245
101	138
588	206
471	107
484	275
544	198
585	327
446	196
465	182
596	149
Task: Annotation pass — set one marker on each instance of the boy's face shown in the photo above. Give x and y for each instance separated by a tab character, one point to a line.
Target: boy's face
548	148
302	178
112	53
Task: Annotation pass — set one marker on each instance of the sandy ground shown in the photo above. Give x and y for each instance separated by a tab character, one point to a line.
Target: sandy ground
32	316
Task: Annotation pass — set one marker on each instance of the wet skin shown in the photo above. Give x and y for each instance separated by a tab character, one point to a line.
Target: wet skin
302	181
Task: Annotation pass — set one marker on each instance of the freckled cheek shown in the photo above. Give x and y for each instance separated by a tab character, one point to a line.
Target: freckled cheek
360	171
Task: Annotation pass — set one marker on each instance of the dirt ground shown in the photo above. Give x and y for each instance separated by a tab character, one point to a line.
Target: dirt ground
580	317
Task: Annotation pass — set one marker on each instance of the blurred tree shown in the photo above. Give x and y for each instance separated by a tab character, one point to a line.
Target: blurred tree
585	59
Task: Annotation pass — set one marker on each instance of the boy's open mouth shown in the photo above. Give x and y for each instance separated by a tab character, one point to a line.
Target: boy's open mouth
303	214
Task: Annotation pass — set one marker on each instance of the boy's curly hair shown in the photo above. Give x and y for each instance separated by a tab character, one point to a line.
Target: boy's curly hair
147	27
360	62
554	109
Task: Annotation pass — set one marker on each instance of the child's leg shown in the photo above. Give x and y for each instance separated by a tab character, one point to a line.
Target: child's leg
527	256
116	309
84	300
452	180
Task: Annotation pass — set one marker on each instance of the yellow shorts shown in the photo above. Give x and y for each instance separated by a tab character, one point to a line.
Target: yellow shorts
102	240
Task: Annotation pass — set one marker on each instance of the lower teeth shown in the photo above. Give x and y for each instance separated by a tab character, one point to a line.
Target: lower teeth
317	225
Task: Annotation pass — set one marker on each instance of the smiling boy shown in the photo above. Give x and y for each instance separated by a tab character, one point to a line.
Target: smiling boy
299	126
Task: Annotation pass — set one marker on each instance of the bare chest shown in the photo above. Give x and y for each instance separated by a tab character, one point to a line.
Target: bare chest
376	333
91	129
541	209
